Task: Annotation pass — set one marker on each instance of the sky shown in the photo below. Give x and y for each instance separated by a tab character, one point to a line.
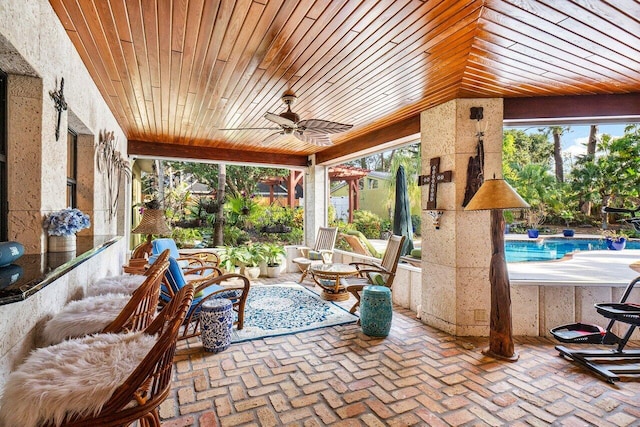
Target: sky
573	141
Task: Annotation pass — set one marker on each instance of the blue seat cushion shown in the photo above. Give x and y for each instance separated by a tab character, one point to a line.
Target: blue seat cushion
315	256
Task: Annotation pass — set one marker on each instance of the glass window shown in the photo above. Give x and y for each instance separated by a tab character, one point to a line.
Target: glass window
72	170
4	206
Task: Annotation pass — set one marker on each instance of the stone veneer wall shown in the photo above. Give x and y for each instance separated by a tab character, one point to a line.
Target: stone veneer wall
456	291
36	53
21	322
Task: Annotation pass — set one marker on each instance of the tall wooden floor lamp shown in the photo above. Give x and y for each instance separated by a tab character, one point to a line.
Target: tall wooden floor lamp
496	195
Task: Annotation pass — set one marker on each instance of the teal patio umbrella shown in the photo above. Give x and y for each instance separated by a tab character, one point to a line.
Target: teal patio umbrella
402	212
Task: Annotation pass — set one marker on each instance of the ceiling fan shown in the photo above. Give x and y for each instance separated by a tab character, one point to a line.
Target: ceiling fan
313	131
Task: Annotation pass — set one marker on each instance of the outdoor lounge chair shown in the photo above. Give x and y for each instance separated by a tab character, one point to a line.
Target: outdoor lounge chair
359	244
381	274
321	253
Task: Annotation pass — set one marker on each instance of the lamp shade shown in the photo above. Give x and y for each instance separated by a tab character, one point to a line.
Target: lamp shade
152	222
496	194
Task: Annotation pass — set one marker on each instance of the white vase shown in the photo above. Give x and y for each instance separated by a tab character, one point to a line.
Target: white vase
62	243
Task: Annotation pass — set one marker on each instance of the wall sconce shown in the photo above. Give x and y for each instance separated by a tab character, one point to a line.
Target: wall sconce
477	114
435	218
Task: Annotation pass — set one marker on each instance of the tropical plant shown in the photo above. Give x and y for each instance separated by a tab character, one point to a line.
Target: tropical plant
274	254
186	237
232	257
255	254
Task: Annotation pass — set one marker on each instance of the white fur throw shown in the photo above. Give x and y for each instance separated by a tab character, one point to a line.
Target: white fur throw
123	284
84	317
74	377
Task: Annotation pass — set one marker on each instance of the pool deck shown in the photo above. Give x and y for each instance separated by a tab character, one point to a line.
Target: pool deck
590	268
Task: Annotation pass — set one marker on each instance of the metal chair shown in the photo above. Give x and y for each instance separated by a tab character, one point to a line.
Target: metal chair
381	274
322	251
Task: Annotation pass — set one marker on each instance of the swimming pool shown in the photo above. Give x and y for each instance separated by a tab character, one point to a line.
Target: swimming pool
553	248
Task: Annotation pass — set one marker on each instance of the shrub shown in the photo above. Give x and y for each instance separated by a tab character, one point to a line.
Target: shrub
367	223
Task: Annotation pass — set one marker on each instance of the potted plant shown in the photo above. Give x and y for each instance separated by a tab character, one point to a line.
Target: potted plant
254	255
232	258
274	254
535	219
62	227
567	216
616	240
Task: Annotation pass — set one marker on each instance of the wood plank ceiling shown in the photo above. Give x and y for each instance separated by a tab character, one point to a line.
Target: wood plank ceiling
175	72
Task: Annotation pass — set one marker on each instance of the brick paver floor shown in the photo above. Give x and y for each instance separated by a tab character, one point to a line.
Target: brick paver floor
417	376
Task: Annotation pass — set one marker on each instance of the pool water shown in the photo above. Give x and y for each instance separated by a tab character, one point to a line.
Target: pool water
554	248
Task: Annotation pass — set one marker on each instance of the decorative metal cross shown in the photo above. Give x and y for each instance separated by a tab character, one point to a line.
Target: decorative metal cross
60	104
433	179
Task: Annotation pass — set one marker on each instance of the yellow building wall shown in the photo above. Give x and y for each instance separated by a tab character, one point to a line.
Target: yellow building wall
374	197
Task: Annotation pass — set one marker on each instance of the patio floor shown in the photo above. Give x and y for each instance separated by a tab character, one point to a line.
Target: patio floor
417	376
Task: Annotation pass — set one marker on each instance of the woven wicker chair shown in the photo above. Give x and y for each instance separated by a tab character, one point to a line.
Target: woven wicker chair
139	397
135	315
234	287
186	261
381	274
322	251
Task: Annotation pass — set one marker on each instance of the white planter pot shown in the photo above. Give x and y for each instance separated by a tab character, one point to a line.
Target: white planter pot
273	271
62	243
263	268
252	273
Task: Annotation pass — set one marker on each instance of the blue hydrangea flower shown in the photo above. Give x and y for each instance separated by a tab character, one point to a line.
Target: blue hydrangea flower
66	222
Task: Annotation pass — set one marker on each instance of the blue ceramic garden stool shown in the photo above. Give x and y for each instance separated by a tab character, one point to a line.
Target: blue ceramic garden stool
376	311
216	321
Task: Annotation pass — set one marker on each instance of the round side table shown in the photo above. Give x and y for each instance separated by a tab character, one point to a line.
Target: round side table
216	321
376	311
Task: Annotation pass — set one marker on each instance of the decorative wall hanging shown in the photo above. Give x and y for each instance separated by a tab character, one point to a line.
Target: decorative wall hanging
110	163
433	179
475	168
435	218
60	104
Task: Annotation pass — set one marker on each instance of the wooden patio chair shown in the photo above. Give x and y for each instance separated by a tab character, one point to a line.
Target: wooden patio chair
113	313
321	253
381	274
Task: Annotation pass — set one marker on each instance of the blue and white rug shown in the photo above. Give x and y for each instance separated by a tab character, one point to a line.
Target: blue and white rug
288	308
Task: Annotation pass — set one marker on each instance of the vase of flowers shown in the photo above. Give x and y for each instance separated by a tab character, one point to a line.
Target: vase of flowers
62	227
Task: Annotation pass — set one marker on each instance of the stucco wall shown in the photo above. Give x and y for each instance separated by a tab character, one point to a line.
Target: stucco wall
36	53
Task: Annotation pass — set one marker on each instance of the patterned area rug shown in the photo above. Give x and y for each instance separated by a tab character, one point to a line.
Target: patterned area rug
288	308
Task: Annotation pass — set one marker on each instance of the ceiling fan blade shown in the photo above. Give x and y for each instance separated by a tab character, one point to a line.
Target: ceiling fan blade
280	120
272	137
251	129
323	126
319	139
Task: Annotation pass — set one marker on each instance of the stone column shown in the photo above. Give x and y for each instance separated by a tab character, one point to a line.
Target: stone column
29	171
455	257
316	195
